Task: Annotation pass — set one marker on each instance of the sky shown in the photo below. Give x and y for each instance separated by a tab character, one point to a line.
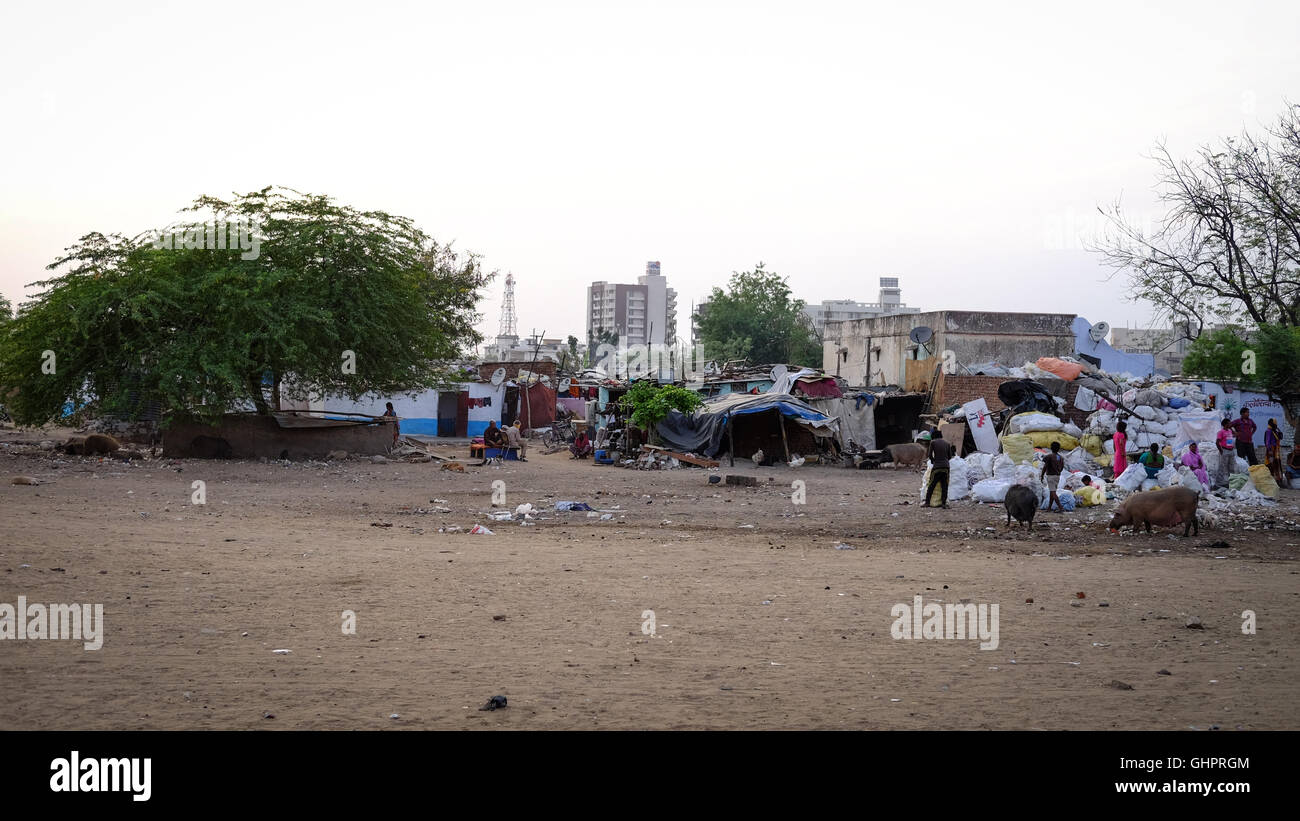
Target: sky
962	147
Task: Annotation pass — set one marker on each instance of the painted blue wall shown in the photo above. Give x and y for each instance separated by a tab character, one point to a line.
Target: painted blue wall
1112	360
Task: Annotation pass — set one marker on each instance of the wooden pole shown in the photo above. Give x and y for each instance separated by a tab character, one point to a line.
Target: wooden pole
731	440
780	420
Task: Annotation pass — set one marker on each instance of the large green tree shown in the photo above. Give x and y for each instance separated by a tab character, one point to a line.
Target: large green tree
1222	355
755	318
323	299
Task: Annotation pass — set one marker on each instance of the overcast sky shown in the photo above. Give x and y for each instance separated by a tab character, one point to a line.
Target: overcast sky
962	147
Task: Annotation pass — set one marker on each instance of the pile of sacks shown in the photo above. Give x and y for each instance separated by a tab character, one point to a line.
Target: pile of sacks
1170	415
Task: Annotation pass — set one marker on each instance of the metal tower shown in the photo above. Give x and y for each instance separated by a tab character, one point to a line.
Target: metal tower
508	309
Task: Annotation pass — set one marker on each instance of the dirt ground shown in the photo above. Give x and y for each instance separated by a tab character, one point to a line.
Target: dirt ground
759	620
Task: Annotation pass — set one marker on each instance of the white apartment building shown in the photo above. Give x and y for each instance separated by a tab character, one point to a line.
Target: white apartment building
889	301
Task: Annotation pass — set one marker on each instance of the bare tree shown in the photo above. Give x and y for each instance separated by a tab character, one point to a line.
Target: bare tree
1228	250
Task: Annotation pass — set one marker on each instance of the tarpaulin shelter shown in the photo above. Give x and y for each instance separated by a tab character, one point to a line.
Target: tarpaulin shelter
536	405
857	419
742	424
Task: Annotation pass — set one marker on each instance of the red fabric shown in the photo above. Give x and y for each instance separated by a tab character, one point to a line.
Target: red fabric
538	408
819	388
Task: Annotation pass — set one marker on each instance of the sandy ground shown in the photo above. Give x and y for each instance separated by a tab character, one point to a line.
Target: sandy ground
760	622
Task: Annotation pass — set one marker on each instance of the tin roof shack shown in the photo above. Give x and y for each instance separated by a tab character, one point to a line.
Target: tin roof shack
297	436
877	351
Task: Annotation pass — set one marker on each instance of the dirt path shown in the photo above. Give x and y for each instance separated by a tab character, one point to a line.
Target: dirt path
768	626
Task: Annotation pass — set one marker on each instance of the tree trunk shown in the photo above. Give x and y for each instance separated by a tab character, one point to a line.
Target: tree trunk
254	385
1291	408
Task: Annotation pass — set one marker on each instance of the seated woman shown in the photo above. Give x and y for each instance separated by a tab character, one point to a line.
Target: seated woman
581	446
1153	461
1192	458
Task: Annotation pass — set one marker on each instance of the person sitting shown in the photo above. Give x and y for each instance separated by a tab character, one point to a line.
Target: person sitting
514	439
1153	460
493	439
581	446
1293	463
1192	458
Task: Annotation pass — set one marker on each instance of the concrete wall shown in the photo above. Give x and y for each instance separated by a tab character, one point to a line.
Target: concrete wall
253	437
419	413
974	337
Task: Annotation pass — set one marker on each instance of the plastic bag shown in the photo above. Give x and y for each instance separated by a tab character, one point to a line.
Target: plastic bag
1076	460
1090	496
1045	438
1263	480
1071	429
1091	442
1066	498
1069	371
1085	399
1018	447
1132	478
1003	467
1032	421
990	490
979	466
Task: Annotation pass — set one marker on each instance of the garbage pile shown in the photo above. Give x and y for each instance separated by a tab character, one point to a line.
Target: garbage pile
1170	415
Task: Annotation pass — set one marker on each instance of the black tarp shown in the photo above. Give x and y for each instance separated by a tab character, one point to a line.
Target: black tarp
702	432
1024	395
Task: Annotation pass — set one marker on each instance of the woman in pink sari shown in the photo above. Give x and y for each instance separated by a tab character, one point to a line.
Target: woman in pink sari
1121	442
1192	458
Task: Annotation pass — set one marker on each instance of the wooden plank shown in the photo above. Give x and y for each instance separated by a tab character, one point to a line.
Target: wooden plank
955	433
780	420
686	457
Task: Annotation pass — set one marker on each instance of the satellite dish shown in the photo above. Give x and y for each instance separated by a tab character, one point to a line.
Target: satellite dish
498	376
778	372
921	334
565	383
1098	331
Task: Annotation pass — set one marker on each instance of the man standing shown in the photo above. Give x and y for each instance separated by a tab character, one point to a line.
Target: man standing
397	426
1053	465
1244	428
941	454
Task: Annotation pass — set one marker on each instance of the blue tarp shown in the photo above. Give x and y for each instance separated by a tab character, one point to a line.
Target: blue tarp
702	431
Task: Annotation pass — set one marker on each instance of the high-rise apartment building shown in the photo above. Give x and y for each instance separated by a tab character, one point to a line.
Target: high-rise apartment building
645	313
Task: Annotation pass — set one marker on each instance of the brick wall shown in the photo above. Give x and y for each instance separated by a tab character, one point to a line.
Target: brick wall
961	389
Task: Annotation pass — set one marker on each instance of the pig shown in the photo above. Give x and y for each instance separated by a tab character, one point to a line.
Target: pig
210	447
909	454
1168	507
1022	503
92	444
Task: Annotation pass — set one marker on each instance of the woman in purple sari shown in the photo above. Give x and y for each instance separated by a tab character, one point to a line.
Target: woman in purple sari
1192	458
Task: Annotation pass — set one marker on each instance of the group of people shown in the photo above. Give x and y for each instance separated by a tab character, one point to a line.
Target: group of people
504	437
1235	438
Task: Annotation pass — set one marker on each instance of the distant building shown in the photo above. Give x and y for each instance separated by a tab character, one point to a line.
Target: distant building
698	309
645	313
1168	346
878	350
888	302
512	349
